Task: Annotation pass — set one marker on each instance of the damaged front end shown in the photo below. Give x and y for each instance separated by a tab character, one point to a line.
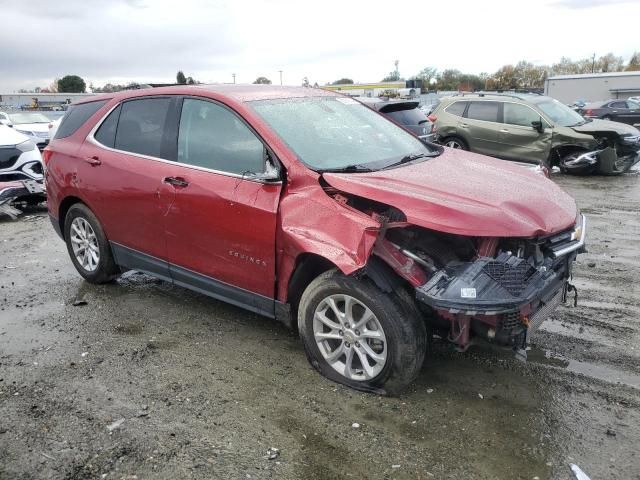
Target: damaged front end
500	290
18	192
615	153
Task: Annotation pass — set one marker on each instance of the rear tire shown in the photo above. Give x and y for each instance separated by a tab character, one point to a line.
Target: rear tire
455	143
357	335
88	246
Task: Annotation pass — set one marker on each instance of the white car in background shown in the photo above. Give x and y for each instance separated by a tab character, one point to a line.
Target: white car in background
34	125
20	159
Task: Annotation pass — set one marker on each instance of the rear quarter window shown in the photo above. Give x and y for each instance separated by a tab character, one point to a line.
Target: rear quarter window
76	116
456	108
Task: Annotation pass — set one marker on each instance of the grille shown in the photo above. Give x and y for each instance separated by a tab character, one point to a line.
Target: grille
513	278
510	321
8	157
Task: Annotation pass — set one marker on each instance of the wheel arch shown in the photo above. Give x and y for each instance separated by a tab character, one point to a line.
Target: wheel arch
65	205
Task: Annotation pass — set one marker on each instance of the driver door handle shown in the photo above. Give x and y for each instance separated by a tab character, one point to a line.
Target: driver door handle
176	181
504	130
94	161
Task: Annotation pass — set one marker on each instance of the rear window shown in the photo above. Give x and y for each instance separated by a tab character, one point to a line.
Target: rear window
141	126
76	116
487	111
412	116
456	108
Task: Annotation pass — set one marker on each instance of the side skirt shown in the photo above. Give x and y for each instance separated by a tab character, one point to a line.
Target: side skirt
135	260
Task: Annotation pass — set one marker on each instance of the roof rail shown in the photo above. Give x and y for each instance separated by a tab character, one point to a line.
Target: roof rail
517	95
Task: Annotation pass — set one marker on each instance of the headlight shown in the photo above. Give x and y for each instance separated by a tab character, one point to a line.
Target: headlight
26	146
24	132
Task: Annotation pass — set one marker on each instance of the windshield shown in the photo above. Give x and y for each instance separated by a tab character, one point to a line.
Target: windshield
561	114
334	133
27	117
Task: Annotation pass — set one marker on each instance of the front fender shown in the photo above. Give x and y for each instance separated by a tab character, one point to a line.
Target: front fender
321	226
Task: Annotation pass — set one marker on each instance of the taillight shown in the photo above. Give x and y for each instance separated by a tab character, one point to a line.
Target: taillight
588	112
432	118
46	155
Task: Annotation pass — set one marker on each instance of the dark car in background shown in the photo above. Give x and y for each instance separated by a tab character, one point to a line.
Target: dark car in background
625	111
405	113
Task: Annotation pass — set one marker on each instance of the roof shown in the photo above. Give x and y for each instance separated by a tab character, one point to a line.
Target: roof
595	75
47	94
238	92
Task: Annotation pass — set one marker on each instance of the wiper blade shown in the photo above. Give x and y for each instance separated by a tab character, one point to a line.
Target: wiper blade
410	158
347	169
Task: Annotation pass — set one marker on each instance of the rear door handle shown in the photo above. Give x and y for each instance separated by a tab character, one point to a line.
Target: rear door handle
176	181
93	161
504	130
464	125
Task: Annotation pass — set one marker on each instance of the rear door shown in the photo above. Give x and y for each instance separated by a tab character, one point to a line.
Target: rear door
221	227
123	178
482	126
521	141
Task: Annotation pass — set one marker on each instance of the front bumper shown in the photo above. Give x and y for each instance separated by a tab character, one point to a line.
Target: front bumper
17	191
506	297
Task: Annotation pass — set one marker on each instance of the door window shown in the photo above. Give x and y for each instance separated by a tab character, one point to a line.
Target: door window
633	105
141	126
618	105
516	114
487	111
213	137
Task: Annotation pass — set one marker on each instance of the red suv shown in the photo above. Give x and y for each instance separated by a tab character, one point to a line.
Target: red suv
306	206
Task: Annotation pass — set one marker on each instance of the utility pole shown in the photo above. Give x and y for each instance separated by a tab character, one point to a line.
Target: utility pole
593	63
280	76
234	77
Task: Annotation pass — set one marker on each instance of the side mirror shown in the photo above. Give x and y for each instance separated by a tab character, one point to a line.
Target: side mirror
538	126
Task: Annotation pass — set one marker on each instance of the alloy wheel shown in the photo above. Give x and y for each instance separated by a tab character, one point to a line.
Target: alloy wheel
350	337
453	144
84	243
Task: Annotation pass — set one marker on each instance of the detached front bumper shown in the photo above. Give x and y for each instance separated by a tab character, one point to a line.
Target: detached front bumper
16	191
506	297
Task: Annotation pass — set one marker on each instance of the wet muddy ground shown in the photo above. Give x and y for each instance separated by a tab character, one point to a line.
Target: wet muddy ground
140	379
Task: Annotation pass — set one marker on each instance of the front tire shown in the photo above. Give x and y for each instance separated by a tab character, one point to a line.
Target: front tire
357	335
88	246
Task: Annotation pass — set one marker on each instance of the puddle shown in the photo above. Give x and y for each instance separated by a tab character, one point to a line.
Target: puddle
599	372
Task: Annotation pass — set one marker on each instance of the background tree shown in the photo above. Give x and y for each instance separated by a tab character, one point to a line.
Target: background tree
427	74
262	81
71	84
392	77
634	62
610	63
53	88
180	78
342	81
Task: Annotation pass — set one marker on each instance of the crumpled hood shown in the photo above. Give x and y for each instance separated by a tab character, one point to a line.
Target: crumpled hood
467	194
600	126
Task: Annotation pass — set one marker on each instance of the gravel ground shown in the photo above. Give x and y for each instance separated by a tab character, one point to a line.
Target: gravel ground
141	379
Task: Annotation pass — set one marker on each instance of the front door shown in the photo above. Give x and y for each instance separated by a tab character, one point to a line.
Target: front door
521	141
221	226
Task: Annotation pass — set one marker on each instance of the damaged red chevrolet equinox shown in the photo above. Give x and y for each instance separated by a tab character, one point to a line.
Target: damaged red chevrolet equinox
305	206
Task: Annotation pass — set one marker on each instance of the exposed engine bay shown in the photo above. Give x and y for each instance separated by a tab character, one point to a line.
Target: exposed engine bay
497	289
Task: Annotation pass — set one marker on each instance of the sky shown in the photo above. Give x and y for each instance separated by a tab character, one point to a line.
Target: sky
147	41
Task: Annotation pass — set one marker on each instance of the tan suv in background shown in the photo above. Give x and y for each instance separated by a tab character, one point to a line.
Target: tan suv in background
536	129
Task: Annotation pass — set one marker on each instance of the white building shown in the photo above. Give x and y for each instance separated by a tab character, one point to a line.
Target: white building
10	101
591	87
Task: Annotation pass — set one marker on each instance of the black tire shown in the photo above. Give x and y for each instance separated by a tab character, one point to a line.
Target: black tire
607	117
462	145
398	317
106	269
